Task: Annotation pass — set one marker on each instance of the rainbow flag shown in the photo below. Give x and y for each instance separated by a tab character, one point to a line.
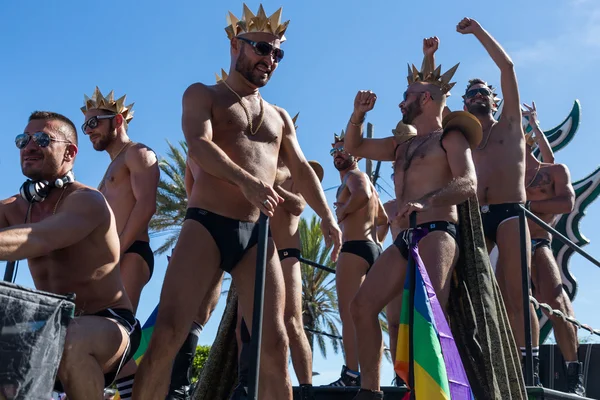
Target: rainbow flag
438	370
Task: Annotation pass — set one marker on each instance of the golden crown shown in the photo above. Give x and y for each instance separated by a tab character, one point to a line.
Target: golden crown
294	121
495	97
428	74
222	77
108	103
256	23
339	138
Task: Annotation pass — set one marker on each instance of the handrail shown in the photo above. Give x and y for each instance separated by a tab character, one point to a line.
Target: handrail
559	235
316	265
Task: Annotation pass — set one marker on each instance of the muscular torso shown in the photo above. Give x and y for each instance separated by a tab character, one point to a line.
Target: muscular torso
118	191
391	208
359	225
540	186
421	167
500	165
87	268
256	154
284	225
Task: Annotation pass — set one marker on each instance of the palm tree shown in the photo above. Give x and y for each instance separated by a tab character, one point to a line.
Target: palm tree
171	199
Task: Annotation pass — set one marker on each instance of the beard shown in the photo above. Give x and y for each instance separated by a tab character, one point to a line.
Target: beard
101	144
345	164
244	67
413	110
480	108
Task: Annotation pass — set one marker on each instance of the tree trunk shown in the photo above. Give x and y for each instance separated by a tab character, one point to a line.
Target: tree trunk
219	375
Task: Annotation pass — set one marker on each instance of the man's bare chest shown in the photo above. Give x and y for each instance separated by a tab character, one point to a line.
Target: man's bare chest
117	175
233	126
539	184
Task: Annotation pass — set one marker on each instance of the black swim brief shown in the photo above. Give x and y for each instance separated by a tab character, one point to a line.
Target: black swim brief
126	319
233	238
537	243
366	249
402	240
289	253
143	249
494	215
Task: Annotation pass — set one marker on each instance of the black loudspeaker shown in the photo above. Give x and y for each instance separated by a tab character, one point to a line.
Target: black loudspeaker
33	326
553	368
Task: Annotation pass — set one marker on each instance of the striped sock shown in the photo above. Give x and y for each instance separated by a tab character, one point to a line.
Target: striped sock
535	351
125	386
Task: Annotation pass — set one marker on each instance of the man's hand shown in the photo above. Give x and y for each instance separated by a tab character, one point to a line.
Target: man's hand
531	113
408	208
332	235
261	195
430	46
363	103
339	211
468	25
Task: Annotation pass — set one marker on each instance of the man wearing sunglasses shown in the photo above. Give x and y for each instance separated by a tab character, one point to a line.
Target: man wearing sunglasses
68	235
356	207
500	165
129	184
236	138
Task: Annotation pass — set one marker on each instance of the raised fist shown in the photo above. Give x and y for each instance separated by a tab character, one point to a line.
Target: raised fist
430	45
468	25
364	101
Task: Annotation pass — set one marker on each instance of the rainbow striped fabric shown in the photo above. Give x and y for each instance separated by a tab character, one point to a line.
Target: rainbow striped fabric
438	370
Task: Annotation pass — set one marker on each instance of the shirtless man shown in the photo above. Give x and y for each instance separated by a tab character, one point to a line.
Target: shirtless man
235	137
284	228
500	166
71	244
550	194
357	205
129	185
433	173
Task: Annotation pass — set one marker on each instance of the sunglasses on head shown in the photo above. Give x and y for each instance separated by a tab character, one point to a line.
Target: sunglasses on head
337	150
42	139
264	49
473	92
92	123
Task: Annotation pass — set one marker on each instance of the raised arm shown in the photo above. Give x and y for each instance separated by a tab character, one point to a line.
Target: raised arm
307	183
360	189
355	144
508	78
538	135
197	129
81	212
293	202
463	184
564	200
144	175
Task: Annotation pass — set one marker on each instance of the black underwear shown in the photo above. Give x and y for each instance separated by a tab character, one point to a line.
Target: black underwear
126	319
366	249
143	249
288	253
493	215
402	239
233	238
537	243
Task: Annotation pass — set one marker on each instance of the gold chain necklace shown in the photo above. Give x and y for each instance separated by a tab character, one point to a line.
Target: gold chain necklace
252	132
487	138
113	160
30	209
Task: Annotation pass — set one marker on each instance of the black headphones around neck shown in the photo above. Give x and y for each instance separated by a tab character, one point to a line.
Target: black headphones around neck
37	191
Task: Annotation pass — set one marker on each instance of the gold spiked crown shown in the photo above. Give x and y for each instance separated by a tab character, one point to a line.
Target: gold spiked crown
108	103
222	77
294	121
495	97
339	138
256	23
429	74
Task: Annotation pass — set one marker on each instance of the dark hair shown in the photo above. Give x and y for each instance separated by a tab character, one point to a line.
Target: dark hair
69	130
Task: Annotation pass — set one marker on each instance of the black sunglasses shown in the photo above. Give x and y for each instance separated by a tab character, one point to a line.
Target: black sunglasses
42	139
264	49
92	123
473	92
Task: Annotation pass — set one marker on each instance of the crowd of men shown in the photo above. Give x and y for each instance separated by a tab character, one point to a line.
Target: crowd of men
246	151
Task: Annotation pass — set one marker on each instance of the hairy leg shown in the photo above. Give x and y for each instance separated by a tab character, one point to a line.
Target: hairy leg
393	310
350	273
93	346
384	282
549	290
186	284
210	301
299	346
509	266
274	376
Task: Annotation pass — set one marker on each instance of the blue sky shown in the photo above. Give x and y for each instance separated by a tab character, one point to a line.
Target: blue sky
54	52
